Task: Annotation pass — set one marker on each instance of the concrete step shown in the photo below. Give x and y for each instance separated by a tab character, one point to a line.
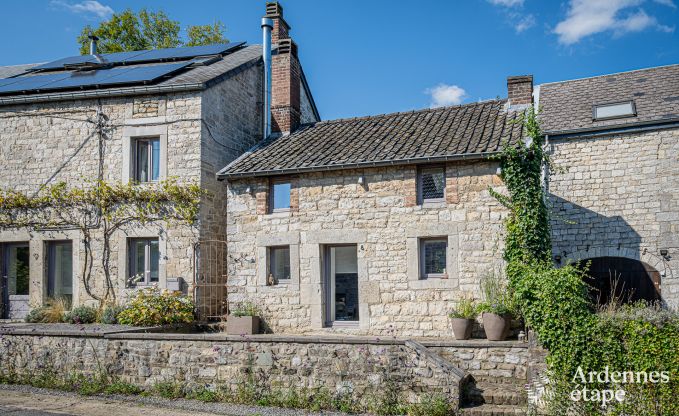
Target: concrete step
492	393
493	410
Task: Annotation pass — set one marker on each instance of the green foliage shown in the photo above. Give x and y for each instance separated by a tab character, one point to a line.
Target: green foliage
130	31
432	405
205	34
152	306
245	309
203	394
121	387
466	309
110	314
36	315
81	315
169	390
496	297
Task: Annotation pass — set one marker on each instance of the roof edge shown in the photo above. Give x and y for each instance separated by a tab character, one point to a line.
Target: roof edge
357	165
611	74
613	128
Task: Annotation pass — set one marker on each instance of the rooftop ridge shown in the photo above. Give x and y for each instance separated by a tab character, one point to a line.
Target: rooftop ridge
612	74
422	110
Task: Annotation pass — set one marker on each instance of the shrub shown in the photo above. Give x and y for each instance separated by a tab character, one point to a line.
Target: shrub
432	405
81	315
121	387
36	315
169	390
466	309
151	306
496	297
110	314
245	309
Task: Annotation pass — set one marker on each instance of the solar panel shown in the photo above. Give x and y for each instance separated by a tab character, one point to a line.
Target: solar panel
143	56
110	76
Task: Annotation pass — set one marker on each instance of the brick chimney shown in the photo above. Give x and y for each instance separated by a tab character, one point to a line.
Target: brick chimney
285	74
520	90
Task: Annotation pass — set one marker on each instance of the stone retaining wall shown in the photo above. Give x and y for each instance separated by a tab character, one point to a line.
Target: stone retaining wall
359	365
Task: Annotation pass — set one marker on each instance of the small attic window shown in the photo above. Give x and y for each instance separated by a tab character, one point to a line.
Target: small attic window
615	110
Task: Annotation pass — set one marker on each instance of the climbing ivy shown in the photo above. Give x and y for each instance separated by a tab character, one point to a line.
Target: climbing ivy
555	304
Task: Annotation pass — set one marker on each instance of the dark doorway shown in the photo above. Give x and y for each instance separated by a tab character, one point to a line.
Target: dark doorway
626	279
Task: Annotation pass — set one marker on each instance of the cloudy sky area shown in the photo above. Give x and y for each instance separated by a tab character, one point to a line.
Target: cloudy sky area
382	56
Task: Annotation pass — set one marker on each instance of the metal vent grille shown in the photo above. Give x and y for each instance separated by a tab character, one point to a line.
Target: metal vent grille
432	184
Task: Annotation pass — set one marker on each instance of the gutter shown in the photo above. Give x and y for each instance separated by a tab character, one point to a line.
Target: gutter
113	92
641	126
343	166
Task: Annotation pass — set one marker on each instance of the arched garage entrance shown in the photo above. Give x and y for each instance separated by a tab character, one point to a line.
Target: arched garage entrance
632	280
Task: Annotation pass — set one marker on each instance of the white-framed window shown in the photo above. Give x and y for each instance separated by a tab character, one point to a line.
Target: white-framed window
146	159
431	184
433	257
614	110
144	258
280	196
279	263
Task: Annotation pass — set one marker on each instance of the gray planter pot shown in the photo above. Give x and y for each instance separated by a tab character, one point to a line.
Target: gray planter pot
242	325
496	326
462	328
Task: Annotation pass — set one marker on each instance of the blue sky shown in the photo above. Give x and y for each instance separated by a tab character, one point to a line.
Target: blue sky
378	56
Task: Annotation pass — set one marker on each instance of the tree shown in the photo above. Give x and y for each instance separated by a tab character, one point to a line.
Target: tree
129	31
99	210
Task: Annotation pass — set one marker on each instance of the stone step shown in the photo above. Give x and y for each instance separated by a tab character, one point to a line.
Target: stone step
481	393
493	410
511	381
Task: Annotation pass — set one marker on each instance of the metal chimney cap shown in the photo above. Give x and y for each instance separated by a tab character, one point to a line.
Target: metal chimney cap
92	37
266	22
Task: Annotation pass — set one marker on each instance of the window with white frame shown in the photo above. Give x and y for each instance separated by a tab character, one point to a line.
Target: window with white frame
144	257
615	110
279	264
433	257
147	159
431	184
280	196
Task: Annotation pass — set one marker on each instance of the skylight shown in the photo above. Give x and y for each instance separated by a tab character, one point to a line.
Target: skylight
617	110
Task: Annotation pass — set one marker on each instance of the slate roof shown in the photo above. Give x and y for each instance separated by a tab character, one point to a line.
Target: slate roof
425	136
567	106
198	77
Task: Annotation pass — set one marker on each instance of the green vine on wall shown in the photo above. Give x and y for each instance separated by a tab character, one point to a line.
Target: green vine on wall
98	210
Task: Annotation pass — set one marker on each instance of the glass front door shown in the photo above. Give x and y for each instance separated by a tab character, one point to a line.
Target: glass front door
341	282
60	270
15	280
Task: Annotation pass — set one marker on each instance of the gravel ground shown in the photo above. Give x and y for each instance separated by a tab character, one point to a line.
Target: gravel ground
122	403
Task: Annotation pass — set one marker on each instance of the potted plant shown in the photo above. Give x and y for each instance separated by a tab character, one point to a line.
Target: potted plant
243	319
496	309
462	318
496	320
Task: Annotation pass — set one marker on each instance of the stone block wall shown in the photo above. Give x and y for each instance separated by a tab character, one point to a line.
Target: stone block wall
377	216
360	367
618	196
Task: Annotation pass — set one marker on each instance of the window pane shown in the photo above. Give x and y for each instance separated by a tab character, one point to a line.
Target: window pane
433	183
434	256
17	270
142	167
154	260
281	196
155	159
613	110
280	263
139	254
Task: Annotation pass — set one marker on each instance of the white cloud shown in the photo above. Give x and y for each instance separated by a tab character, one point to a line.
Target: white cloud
443	95
522	23
589	17
668	3
506	3
86	7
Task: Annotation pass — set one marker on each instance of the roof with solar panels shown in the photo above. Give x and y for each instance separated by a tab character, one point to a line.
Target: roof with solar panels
125	73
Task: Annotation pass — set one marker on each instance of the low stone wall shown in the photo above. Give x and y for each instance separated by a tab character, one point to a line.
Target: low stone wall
485	360
361	366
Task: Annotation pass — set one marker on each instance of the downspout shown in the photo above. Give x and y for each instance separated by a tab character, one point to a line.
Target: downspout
267	25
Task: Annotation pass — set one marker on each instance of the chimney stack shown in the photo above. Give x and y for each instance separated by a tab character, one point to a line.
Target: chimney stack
285	74
520	90
93	44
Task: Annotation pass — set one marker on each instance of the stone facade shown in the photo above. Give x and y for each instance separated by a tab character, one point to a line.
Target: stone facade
618	196
200	132
382	218
357	366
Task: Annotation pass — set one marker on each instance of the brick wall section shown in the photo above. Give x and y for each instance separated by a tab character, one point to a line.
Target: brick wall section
285	92
618	196
334	206
520	89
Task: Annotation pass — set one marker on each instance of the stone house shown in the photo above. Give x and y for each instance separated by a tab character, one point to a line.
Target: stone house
371	225
615	196
182	113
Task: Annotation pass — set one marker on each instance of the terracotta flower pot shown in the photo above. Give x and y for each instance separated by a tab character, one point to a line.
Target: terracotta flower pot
242	325
496	326
462	328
